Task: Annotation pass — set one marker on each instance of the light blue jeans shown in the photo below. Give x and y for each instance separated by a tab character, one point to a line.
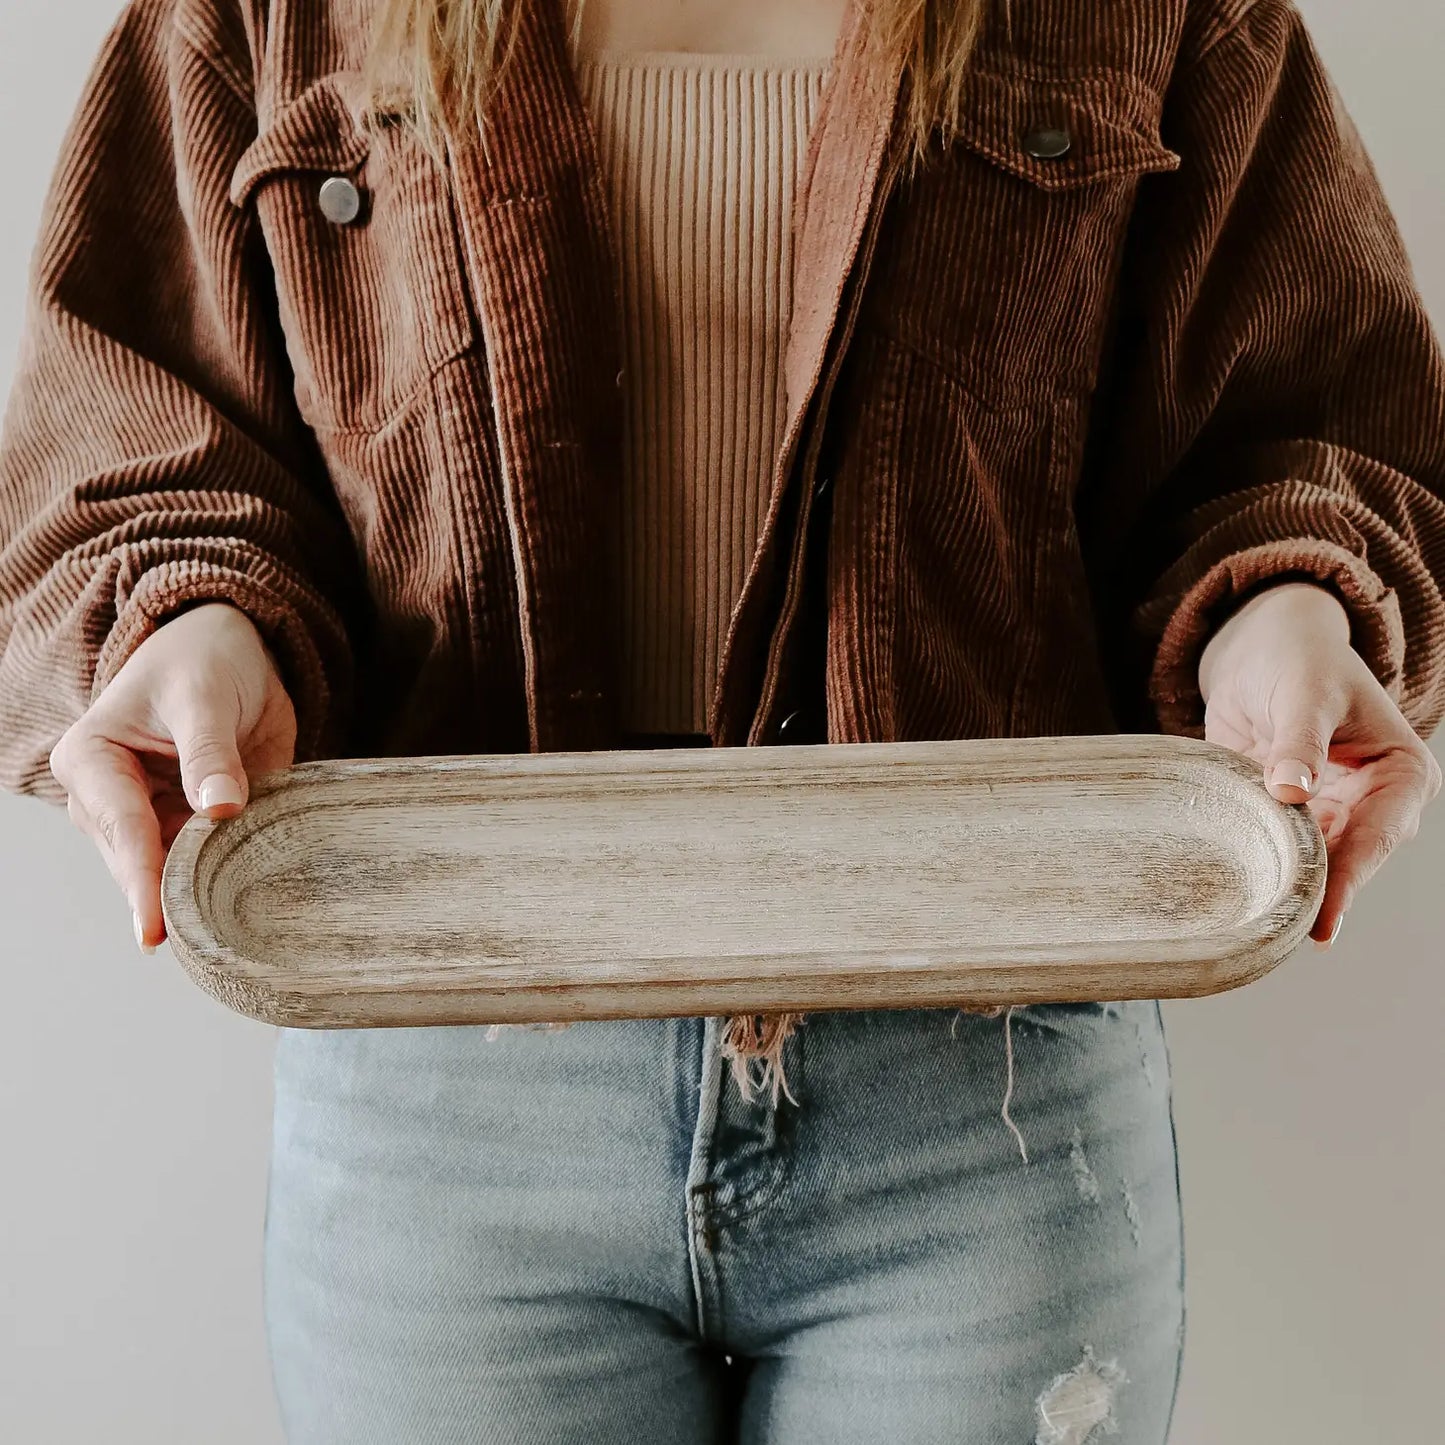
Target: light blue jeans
587	1237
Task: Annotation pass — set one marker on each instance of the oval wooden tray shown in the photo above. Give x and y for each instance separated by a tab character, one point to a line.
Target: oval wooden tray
557	886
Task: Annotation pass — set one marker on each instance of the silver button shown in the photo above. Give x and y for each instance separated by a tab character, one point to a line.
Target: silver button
790	730
340	200
1047	143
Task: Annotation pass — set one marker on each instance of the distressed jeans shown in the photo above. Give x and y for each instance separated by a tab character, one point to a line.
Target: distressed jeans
587	1236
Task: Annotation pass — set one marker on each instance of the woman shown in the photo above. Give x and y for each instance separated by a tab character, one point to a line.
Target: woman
446	378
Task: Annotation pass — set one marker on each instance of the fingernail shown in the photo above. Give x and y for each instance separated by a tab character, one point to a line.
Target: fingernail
1334	934
139	935
1293	773
219	788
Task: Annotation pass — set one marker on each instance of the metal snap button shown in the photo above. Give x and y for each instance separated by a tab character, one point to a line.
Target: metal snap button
340	200
791	729
1047	143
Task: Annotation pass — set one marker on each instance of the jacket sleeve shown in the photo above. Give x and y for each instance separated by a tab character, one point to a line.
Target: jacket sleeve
1280	410
151	455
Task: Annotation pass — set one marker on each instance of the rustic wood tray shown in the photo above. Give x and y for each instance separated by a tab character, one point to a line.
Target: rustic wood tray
559	886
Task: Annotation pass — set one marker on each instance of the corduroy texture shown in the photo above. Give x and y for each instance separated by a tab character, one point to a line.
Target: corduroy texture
1072	409
701	154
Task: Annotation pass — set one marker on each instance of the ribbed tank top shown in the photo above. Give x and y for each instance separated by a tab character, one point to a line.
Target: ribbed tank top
701	154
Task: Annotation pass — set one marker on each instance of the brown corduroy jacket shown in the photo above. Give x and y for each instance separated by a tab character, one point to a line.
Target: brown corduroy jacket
1139	338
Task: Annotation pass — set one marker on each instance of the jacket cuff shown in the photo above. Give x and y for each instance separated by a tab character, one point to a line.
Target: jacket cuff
1197	608
167	589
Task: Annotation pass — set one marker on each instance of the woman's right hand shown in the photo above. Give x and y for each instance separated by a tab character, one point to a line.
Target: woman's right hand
195	709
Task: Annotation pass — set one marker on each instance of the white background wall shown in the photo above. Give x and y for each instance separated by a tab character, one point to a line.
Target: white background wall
134	1111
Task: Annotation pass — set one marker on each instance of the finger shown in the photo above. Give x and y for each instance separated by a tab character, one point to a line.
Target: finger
1378	824
203	721
143	920
1333	907
1305	719
110	800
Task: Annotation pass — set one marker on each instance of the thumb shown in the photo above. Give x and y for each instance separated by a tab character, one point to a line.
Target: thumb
1298	748
203	726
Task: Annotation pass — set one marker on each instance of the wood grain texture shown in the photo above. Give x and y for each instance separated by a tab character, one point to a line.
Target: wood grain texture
558	886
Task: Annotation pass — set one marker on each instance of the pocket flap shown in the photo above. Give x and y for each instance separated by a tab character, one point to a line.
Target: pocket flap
1111	120
320	129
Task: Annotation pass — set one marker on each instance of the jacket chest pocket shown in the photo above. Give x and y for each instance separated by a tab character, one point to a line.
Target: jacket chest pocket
1000	256
366	252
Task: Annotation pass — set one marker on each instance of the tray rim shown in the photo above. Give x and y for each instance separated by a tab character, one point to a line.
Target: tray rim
1238	955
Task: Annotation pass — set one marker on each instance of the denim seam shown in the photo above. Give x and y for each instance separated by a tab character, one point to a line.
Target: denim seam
698	1187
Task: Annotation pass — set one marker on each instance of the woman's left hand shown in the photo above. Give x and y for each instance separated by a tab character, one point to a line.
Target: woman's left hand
1282	685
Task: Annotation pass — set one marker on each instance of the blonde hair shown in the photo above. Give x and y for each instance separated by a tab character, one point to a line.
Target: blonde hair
433	63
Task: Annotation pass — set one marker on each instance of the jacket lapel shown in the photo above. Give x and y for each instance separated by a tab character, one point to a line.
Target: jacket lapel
837	194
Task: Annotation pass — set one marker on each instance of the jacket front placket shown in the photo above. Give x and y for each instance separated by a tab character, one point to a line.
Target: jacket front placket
854	155
533	213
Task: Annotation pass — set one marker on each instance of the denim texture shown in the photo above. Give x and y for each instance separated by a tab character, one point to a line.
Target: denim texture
588	1235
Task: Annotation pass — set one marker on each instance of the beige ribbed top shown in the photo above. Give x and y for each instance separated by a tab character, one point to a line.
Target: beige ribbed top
701	154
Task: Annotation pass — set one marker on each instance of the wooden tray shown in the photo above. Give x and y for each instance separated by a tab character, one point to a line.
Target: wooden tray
556	886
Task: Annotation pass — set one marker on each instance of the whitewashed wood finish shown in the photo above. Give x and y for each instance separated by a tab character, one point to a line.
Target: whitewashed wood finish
642	884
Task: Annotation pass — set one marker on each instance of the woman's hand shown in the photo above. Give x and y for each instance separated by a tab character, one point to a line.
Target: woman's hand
196	706
1282	685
